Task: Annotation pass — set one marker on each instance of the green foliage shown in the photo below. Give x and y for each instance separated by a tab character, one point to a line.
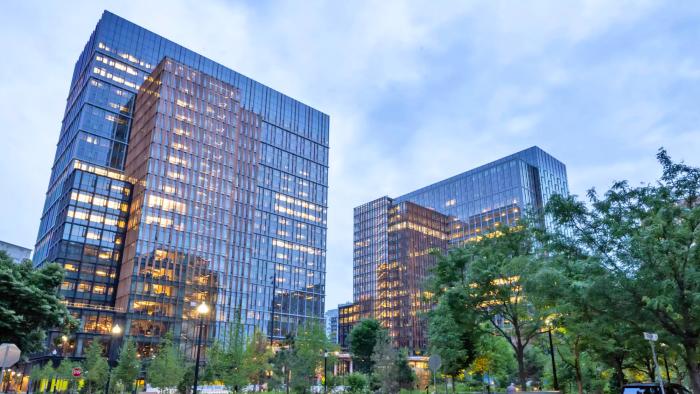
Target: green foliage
391	370
487	277
167	368
363	338
95	368
495	358
29	303
39	373
257	358
404	373
281	363
128	367
226	361
453	332
641	245
385	370
184	386
64	370
307	356
357	382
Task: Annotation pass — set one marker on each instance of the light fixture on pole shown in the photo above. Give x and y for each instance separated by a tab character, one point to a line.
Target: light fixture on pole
325	371
116	331
202	310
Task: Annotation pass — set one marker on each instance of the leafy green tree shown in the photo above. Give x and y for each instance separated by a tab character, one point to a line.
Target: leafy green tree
495	358
385	370
226	360
309	347
168	367
29	303
184	386
128	367
391	370
95	368
647	239
357	382
404	373
257	358
488	277
580	317
453	332
363	338
281	363
39	373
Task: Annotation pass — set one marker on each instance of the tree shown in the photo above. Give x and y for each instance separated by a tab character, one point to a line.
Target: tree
227	360
391	370
357	382
495	358
453	332
128	366
488	277
282	361
363	338
647	238
64	372
95	368
384	364
168	367
184	386
309	347
404	373
257	357
29	303
40	373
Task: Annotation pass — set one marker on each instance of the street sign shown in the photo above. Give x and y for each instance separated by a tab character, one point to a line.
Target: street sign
9	355
77	371
650	336
434	362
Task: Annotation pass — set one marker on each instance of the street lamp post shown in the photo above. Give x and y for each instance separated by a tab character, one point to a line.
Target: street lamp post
325	371
116	331
202	310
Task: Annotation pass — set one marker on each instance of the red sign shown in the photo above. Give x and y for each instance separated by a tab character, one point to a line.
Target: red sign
77	371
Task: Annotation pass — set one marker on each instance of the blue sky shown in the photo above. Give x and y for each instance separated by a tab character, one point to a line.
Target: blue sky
417	91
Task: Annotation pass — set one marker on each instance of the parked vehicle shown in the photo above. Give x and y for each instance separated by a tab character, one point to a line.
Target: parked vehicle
653	388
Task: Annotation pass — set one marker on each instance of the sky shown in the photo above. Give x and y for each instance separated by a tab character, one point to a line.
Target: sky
417	91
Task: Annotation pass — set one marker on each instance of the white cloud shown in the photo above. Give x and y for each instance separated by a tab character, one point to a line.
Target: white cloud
416	91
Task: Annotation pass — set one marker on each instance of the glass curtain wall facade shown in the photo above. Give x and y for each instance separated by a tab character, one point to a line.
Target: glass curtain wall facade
394	237
280	248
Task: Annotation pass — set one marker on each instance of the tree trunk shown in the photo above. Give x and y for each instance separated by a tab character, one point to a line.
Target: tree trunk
579	378
619	373
691	363
520	355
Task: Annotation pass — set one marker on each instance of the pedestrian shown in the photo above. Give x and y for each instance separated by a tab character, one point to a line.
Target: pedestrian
511	388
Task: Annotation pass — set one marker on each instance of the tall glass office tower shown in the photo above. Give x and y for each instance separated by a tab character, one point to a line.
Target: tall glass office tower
177	180
393	237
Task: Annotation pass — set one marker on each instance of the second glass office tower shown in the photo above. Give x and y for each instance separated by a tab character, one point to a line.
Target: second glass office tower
393	237
215	191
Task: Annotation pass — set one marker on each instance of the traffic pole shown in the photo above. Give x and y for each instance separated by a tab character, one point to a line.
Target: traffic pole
656	368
